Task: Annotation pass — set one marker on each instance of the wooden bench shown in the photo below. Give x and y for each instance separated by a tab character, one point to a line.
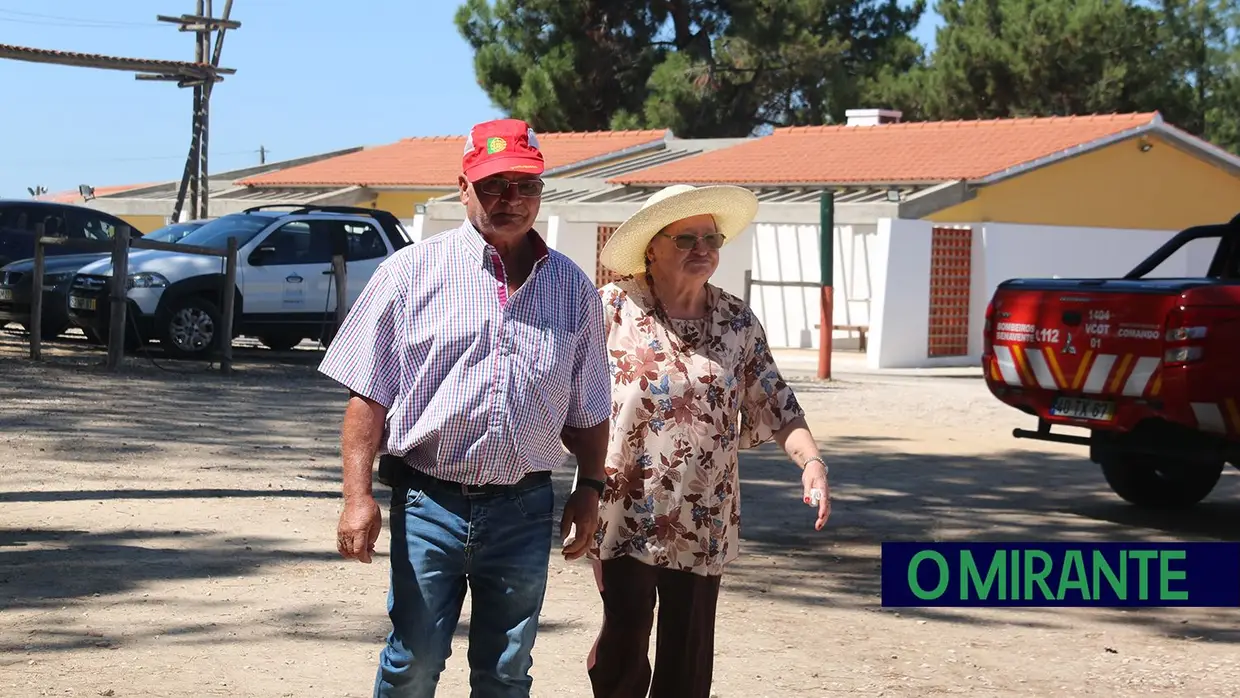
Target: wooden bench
859	329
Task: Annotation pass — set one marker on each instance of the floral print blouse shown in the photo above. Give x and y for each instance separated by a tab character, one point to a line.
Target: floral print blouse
685	399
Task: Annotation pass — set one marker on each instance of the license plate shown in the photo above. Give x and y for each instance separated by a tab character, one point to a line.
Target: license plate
1080	408
80	303
6	294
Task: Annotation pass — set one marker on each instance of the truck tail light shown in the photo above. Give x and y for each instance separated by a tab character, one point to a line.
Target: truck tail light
1182	355
1180	336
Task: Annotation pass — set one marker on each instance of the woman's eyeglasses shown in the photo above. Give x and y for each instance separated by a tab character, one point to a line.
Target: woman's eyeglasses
685	241
498	186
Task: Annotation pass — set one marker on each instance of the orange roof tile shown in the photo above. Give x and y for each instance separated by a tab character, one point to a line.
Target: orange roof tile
435	161
931	151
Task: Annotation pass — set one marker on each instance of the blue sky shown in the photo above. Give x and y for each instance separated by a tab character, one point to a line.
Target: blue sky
312	76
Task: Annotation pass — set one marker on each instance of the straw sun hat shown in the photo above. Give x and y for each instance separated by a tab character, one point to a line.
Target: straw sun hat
733	208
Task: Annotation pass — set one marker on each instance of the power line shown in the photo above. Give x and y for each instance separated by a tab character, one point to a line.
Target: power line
141	158
18	17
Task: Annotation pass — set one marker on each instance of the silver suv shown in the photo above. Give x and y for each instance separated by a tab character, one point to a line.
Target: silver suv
284	291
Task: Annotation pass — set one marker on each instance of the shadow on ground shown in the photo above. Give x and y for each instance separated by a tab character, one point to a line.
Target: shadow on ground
883	494
280	421
45	568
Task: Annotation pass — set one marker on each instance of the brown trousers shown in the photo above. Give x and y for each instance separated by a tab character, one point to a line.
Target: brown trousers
619	664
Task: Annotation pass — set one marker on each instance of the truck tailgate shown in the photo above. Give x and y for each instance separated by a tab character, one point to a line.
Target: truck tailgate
1089	341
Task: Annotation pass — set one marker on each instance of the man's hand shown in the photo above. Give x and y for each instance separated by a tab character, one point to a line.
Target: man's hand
814	481
581	519
359	527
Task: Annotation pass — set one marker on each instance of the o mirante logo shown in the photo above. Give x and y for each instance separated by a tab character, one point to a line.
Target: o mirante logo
1061	574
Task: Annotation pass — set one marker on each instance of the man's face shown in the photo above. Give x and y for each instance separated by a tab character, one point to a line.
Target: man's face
505	204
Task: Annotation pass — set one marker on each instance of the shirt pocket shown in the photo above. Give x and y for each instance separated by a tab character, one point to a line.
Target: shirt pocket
542	354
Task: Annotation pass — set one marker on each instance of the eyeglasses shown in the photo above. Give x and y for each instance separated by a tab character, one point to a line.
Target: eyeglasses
498	186
685	241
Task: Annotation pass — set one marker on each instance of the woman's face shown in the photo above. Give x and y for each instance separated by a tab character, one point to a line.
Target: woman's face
683	250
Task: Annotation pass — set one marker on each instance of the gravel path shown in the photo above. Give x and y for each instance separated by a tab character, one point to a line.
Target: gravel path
169	532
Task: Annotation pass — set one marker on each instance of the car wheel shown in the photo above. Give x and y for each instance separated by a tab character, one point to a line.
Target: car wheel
1158	483
191	328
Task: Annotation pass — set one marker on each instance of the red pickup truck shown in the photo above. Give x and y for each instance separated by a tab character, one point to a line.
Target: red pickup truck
1149	366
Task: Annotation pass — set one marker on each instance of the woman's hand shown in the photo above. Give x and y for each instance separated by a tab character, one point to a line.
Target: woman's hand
797	441
816	491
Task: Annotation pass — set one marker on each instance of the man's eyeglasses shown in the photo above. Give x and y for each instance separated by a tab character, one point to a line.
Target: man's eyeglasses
498	186
685	241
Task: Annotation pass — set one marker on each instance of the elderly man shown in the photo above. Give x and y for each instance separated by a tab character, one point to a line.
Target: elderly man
472	358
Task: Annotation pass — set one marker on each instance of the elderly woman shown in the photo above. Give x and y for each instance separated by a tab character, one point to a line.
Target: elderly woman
693	382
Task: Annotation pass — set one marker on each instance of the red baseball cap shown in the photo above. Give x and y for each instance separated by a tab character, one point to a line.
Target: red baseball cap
503	145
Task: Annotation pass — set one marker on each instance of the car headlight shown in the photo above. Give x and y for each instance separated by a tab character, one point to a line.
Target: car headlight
146	279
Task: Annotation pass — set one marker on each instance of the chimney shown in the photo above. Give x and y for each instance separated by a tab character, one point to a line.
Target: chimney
872	117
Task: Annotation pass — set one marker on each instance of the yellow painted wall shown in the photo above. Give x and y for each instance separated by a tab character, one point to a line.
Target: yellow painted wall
1116	187
147	224
401	203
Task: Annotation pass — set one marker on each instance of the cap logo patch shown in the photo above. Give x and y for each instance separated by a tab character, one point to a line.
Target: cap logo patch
495	144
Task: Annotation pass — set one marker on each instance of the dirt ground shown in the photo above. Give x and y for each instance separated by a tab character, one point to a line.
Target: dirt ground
167	531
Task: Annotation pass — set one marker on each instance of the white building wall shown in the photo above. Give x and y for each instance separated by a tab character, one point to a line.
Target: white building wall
901	309
1001	251
790	252
782	244
575	239
881	268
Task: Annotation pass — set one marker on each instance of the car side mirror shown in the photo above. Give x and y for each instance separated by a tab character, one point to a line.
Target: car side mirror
262	254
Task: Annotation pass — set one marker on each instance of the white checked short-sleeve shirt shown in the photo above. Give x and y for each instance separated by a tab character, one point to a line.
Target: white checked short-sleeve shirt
478	383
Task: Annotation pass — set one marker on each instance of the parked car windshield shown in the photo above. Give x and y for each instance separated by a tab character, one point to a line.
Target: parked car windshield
173	232
215	234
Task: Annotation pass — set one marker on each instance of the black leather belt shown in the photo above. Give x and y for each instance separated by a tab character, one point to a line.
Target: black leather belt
395	473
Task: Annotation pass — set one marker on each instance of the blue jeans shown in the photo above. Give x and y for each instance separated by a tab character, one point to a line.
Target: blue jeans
442	539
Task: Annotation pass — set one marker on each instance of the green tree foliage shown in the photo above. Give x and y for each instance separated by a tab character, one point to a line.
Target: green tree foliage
700	67
1002	58
1203	50
725	68
1008	58
562	65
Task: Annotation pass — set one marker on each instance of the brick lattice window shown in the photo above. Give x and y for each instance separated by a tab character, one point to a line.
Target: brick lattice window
603	275
951	256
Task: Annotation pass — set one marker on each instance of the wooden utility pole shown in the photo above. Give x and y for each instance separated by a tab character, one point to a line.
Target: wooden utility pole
196	177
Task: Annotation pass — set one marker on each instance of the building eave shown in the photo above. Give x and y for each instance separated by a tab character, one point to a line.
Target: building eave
567	170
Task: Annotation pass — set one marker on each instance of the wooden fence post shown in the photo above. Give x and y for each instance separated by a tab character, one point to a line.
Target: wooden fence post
118	296
340	273
230	300
35	326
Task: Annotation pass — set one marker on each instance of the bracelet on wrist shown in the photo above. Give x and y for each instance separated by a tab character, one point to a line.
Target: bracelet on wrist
811	459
